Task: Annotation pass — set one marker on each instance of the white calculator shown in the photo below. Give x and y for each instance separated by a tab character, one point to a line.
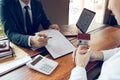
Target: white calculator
42	64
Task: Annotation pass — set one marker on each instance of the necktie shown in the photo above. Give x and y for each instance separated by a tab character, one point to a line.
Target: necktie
28	21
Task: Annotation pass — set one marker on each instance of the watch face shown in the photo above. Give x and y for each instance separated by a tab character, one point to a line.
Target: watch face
36	60
85	20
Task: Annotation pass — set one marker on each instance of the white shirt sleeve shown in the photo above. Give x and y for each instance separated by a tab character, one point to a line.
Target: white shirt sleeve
111	68
108	53
78	73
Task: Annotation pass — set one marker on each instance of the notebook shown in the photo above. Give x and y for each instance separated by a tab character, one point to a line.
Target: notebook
85	20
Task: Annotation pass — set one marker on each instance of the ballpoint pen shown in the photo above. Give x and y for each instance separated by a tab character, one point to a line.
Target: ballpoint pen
43	36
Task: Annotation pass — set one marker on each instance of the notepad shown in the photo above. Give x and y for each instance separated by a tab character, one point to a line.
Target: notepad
58	45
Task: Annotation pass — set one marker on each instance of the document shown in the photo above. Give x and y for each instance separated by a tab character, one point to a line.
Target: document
58	45
6	67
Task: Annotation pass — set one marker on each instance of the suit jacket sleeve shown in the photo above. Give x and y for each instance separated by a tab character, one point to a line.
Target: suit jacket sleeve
39	15
45	22
15	34
78	73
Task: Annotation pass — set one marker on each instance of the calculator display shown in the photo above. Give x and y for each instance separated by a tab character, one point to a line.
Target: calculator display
36	60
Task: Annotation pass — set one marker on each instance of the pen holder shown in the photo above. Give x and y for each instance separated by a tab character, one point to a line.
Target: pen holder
83	39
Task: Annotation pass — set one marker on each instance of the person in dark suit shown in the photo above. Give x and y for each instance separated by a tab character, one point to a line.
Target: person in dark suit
13	18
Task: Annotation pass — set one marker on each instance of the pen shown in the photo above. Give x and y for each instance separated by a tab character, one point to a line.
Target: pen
43	36
46	37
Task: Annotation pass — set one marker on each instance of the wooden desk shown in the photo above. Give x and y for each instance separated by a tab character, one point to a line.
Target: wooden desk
104	39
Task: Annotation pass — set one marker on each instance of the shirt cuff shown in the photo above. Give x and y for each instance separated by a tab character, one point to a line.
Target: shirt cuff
78	73
108	53
29	41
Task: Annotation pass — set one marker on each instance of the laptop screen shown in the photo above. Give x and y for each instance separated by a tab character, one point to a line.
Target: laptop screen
85	20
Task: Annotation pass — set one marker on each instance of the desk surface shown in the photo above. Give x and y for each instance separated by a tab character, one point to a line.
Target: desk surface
103	39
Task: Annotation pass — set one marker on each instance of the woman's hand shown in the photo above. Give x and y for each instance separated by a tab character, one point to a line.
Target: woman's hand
81	56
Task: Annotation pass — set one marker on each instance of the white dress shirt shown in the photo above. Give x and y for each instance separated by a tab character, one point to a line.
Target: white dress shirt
110	68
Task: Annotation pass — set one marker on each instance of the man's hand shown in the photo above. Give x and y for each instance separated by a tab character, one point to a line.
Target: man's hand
39	40
54	26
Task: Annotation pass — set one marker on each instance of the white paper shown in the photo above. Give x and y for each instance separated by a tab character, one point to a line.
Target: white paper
58	45
6	67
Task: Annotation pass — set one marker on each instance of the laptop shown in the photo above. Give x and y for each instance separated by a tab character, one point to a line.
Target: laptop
82	24
85	20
